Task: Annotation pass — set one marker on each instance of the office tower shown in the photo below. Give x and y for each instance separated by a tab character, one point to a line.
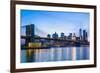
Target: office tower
55	35
48	36
80	34
70	36
74	37
84	35
62	35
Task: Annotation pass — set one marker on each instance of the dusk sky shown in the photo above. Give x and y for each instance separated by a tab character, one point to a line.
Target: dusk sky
50	22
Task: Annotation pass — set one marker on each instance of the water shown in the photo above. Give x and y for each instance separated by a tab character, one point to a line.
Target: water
55	54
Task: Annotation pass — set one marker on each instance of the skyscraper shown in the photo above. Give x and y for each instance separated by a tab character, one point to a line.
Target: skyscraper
62	35
55	35
80	34
70	36
74	37
85	35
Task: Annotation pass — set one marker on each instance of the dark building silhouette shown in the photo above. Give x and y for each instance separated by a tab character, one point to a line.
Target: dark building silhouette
84	35
48	36
62	35
70	36
80	34
74	35
55	35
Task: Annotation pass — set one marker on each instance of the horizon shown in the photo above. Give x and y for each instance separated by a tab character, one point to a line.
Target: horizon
53	21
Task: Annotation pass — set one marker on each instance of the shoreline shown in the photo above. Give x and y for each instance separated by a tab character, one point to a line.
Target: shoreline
49	47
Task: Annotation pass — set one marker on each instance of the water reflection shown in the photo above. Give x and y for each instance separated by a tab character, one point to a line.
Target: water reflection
55	54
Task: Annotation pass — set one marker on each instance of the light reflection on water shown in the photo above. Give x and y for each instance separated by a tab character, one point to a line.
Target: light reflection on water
55	54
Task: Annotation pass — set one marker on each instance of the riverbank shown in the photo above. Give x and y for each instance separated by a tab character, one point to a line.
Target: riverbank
48	47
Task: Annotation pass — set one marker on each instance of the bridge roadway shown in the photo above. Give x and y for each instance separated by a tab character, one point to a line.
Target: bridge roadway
55	39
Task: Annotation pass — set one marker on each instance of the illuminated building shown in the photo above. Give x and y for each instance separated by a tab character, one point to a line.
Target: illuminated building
74	37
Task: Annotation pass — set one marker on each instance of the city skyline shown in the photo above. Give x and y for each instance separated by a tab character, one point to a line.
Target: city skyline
30	33
66	33
52	21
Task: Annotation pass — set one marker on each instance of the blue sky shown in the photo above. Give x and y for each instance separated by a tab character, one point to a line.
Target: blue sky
52	21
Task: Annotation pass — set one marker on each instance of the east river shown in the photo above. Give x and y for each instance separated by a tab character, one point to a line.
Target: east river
55	54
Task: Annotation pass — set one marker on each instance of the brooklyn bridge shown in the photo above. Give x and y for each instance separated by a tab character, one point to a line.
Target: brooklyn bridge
33	39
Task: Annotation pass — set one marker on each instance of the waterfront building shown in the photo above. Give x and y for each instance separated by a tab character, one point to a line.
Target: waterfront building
48	36
74	37
55	35
77	38
34	44
70	36
62	35
65	37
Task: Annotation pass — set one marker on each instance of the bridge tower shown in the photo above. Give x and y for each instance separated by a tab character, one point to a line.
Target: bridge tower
30	32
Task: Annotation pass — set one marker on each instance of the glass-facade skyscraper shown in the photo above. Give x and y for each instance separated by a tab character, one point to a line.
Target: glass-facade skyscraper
80	33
